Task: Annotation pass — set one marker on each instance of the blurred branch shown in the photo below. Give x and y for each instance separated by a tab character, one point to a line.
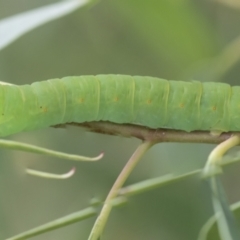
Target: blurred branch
214	68
230	3
229	56
153	135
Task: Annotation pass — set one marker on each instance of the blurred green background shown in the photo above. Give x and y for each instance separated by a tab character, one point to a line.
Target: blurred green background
172	39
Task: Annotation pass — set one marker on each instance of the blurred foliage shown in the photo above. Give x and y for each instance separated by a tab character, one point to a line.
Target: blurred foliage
172	39
210	229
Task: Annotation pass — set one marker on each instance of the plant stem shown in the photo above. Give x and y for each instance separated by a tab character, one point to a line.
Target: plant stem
153	135
128	168
213	163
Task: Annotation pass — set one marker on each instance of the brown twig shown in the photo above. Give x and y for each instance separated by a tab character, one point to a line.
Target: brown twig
153	135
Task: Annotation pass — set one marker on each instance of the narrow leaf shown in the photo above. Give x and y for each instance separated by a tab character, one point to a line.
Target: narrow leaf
224	223
209	230
227	225
12	28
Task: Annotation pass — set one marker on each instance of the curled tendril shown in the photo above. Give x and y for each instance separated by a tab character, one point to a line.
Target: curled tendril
212	166
7	144
51	175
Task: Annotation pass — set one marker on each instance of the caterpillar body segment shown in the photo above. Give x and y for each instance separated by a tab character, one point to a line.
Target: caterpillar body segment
147	101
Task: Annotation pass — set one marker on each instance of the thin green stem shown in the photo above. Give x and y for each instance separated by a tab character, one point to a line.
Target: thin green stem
50	175
61	222
227	225
104	214
124	193
8	144
222	148
213	164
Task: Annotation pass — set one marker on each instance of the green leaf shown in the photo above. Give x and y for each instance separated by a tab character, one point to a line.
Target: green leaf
12	28
223	218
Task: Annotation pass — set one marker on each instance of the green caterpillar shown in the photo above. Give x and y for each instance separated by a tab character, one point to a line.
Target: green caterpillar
146	101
